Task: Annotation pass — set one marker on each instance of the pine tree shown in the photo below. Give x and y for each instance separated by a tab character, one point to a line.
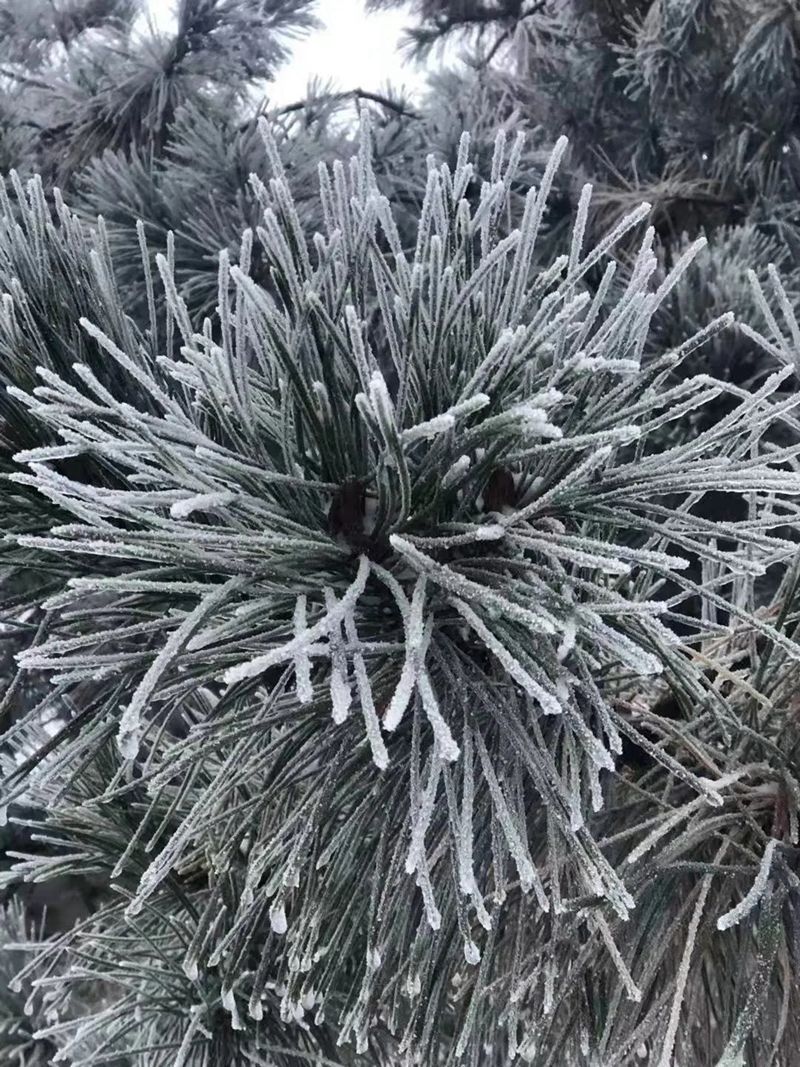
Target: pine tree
399	578
438	20
201	187
408	697
86	79
690	106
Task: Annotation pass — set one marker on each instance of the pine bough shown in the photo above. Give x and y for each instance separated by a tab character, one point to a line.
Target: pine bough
373	587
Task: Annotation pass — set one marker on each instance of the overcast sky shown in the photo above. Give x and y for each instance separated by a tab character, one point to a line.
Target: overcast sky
356	50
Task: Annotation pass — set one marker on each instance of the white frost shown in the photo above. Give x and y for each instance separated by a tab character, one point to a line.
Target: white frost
277	918
747	903
182	509
302	662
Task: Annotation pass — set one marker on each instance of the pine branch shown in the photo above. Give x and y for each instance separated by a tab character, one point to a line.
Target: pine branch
375	582
356	94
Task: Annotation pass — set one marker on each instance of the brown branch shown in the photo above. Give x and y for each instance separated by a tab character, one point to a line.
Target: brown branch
359	94
445	23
